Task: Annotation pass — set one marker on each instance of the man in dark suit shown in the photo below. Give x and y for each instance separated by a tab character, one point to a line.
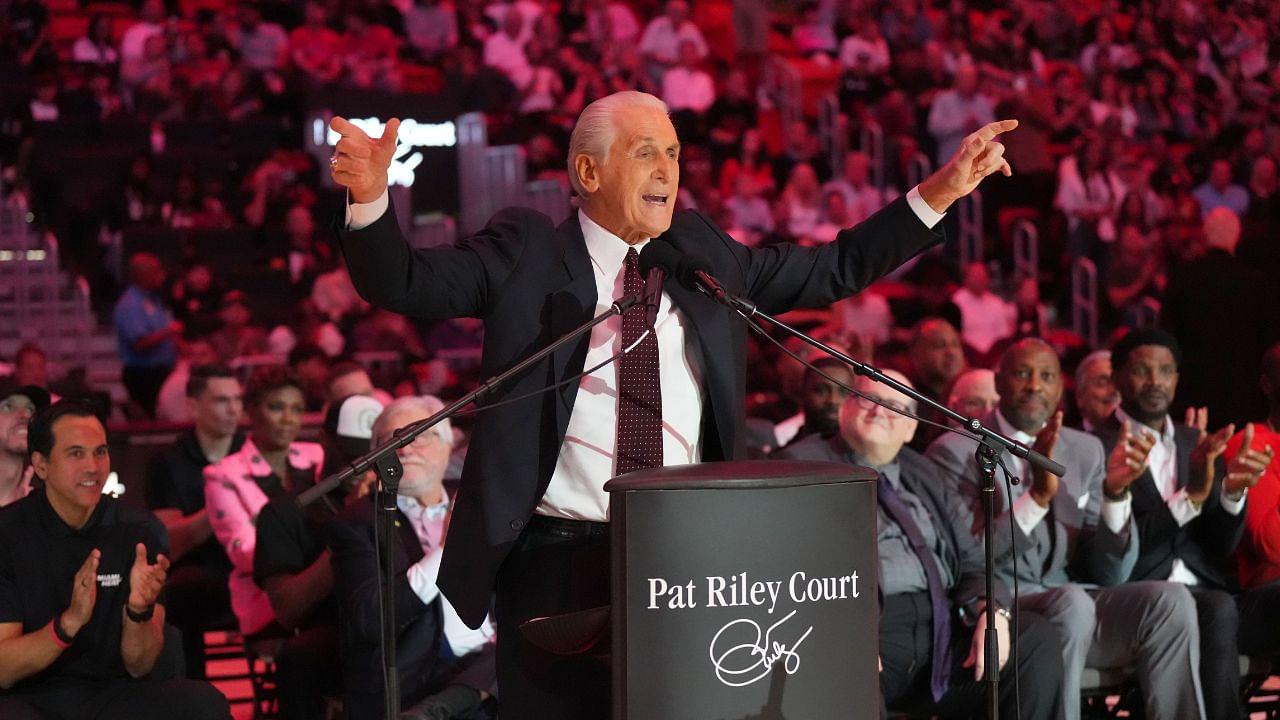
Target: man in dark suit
1072	534
531	516
1189	513
873	434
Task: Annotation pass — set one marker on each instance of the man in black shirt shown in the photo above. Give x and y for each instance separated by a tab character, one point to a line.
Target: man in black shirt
197	595
80	579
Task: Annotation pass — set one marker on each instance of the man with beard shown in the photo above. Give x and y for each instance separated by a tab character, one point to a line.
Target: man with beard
1073	533
937	359
17	405
1189	513
821	398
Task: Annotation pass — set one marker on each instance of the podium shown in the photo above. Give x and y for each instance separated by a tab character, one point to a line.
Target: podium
744	590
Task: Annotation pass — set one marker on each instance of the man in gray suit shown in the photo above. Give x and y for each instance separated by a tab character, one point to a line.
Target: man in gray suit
932	587
1074	541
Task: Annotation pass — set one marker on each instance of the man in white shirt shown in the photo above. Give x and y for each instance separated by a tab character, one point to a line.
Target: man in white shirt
446	668
504	50
134	41
687	86
1076	542
531	520
985	318
959	111
1189	512
861	198
662	37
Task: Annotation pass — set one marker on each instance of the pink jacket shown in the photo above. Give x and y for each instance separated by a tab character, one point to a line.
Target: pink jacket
233	500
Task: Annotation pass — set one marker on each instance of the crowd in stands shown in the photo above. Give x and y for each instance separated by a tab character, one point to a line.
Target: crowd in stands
1148	143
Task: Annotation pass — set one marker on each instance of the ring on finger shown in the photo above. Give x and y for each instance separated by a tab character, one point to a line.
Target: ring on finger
333	161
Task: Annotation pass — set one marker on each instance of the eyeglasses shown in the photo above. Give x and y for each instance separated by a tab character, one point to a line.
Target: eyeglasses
866	401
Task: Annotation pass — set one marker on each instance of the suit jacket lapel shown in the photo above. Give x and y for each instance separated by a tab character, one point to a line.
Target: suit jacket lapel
572	304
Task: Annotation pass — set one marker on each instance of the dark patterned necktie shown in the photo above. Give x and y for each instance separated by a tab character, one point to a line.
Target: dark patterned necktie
898	511
639	386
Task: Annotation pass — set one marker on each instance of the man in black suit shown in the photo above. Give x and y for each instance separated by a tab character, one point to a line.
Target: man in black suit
874	435
1189	512
530	519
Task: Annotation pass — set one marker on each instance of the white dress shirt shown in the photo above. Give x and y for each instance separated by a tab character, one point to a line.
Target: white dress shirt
586	459
1163	463
428	525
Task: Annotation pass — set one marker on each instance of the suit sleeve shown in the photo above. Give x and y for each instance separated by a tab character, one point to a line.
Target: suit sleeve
355	582
787	276
1103	556
434	283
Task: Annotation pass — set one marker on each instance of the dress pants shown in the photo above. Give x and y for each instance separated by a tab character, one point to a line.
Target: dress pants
196	596
1148	626
117	700
1231	625
555	567
143	384
906	639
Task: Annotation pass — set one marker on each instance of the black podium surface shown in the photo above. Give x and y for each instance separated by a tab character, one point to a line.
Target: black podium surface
744	590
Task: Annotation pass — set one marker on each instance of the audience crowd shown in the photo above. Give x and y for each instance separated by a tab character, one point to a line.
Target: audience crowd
1148	144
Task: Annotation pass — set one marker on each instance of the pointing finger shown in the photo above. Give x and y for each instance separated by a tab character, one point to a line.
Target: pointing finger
390	132
990	130
346	128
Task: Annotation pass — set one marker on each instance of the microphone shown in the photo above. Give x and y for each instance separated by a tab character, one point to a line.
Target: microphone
658	260
694	272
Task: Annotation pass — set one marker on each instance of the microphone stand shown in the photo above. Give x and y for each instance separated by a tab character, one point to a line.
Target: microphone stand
990	444
384	461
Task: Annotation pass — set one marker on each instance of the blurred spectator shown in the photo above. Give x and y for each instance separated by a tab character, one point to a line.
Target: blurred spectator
864	315
270	463
1030	316
660	44
335	297
431	27
820	401
505	51
17	404
151	18
1086	197
686	86
801	202
457	681
385	331
610	22
815	31
957	112
308	255
862	199
146	332
865	52
347	378
973	394
55	544
985	317
262	44
1260	224
31	366
310	366
238	336
96	46
801	147
314	48
44	106
1215	302
749	214
370	52
545	91
172	404
936	359
1134	278
195	301
1104	52
28	23
197	593
1095	392
1219	190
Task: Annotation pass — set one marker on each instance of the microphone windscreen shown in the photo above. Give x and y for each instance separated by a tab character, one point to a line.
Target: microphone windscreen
659	254
687	269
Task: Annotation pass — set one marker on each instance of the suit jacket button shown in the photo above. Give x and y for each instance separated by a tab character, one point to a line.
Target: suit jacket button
517	525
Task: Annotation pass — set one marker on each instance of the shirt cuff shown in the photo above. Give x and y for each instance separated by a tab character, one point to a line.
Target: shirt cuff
362	215
1234	506
927	215
1181	508
422	577
1028	513
1116	513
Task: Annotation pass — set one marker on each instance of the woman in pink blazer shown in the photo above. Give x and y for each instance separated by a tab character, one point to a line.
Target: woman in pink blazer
272	462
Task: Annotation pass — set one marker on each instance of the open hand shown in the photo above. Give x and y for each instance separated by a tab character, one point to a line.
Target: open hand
359	162
1247	466
84	593
145	579
979	156
1044	484
977	649
1208	448
1128	458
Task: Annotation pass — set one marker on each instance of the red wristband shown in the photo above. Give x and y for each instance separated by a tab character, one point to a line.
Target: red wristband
53	632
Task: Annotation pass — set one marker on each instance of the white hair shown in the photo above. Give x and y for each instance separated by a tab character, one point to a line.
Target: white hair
422	405
1091	358
594	132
